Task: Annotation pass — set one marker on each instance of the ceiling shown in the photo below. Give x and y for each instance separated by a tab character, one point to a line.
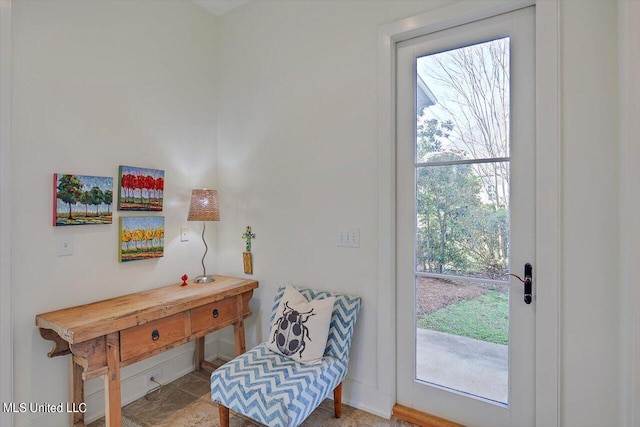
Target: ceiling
220	7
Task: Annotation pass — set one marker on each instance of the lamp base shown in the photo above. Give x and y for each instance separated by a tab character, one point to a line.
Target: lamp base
204	279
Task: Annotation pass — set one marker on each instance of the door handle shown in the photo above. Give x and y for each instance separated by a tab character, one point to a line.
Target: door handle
528	282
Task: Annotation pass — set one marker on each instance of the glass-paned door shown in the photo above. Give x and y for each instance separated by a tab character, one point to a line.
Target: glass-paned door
465	188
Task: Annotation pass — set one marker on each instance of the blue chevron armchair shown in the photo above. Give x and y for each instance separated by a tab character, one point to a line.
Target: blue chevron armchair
277	391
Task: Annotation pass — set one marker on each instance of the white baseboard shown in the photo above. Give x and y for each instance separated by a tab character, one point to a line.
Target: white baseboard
226	350
367	398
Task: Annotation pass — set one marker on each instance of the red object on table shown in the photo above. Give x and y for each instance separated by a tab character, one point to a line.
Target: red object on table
184	280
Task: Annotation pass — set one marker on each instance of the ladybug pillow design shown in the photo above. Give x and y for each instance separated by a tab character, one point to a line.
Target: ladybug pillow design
300	328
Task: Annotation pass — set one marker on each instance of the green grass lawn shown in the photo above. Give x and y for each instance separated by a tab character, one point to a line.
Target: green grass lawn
484	318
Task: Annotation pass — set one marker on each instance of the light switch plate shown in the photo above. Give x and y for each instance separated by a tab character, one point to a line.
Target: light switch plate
349	238
64	246
184	234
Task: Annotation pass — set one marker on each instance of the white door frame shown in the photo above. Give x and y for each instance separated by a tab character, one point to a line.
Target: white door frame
629	90
548	188
6	290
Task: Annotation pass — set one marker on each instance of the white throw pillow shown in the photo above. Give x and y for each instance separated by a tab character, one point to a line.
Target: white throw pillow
300	328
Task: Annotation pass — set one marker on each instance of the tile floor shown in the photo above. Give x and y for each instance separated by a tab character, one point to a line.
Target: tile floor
186	402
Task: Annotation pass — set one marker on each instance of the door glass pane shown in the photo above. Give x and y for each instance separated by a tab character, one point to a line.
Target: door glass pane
463	102
462	177
462	336
462	219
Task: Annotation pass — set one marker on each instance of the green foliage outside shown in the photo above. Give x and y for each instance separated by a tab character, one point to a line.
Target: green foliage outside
485	318
457	233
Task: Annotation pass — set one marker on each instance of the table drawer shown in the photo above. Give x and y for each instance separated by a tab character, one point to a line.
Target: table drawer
150	336
217	314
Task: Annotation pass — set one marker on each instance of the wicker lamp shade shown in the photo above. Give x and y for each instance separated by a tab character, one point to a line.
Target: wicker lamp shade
204	205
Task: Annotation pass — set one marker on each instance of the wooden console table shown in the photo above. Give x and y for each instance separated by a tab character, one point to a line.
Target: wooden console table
107	335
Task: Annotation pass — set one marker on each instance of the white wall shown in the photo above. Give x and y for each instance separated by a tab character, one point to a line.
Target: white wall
298	147
6	295
629	87
99	84
590	342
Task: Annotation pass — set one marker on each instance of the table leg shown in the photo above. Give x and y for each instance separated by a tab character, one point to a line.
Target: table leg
238	328
199	353
76	388
112	399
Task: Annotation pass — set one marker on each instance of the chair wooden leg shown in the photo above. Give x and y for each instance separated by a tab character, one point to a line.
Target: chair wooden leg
223	412
337	400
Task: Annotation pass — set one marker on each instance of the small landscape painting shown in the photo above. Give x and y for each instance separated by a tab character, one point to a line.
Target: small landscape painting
82	199
141	237
140	189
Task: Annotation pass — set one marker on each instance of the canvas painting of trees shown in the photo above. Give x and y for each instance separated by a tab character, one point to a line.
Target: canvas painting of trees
140	189
141	237
82	199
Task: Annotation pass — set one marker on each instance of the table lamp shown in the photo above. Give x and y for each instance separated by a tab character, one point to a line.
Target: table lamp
204	207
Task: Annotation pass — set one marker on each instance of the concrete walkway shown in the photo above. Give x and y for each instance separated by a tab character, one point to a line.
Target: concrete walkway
471	366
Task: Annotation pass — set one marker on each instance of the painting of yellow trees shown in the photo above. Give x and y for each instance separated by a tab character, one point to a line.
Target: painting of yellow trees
141	237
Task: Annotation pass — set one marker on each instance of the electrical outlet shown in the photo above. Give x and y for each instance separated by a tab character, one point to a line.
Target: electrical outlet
156	374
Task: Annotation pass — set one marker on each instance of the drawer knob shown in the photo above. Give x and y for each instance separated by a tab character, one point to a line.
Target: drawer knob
155	335
215	313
